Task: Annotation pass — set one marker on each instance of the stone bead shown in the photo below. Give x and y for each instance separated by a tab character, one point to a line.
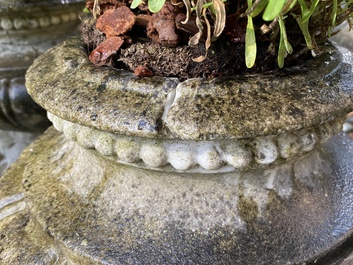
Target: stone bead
208	157
237	155
105	144
44	22
65	18
86	136
55	20
20	23
215	156
69	130
127	150
153	154
288	145
73	16
6	24
32	23
265	150
309	140
180	156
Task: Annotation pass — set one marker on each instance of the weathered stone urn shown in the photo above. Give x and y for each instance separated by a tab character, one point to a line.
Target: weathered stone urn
233	170
27	29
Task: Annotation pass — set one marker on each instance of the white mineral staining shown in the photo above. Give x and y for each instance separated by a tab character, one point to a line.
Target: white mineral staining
265	150
105	144
180	156
86	136
208	157
153	154
309	140
127	150
279	179
237	155
253	187
288	145
57	122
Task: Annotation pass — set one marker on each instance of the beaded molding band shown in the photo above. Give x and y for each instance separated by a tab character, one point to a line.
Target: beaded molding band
199	156
36	22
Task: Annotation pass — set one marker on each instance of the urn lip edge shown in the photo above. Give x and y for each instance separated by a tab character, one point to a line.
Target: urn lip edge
98	93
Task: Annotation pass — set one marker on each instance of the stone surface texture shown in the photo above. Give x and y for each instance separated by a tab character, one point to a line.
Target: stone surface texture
200	156
64	204
196	109
54	208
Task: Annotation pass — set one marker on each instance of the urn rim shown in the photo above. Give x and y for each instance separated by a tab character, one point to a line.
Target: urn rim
65	83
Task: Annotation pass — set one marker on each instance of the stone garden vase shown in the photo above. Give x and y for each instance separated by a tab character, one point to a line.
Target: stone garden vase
27	29
233	170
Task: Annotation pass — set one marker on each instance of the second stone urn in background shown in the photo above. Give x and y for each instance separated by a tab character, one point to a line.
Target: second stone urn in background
27	29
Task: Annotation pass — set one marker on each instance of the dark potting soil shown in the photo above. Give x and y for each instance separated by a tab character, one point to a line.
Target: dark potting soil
145	57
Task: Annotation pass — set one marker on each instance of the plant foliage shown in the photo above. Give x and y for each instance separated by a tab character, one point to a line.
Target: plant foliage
257	20
317	20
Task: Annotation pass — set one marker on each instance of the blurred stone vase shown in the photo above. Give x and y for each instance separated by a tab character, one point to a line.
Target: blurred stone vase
27	29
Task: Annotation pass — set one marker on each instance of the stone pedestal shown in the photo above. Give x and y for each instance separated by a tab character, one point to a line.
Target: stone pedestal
62	203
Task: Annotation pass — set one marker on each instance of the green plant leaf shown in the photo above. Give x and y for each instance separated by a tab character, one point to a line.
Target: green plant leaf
308	12
155	5
305	30
294	2
281	52
283	36
135	3
284	45
250	44
259	8
334	13
304	8
273	9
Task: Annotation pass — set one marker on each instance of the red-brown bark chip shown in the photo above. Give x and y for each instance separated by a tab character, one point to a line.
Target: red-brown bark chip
161	28
116	22
103	53
142	71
